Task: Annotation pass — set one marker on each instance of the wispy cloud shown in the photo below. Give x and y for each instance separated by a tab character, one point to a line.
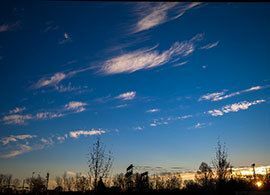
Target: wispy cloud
48	115
20	119
217	96
17	110
138	128
200	125
61	139
121	106
68	88
168	120
127	95
15	138
210	45
15	145
49	81
50	26
148	58
56	78
21	149
8	27
153	110
154	14
76	106
244	105
17	118
180	64
78	133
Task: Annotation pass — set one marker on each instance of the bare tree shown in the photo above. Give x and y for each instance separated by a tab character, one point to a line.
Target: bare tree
221	163
99	162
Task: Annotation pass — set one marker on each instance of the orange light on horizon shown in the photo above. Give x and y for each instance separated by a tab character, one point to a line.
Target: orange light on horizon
259	184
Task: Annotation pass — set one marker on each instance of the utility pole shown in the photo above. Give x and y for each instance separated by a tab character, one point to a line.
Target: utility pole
254	173
47	180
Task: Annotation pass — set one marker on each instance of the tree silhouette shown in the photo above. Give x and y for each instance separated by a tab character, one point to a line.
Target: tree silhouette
159	183
221	165
204	175
99	162
174	183
81	183
16	183
119	181
38	184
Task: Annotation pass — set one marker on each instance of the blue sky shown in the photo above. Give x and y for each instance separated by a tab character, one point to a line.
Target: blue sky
159	82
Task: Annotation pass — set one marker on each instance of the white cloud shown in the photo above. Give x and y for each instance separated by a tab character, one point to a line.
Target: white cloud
48	115
244	105
69	88
153	110
50	26
180	64
121	106
17	118
148	58
212	96
217	96
76	106
61	139
167	120
15	138
78	133
139	128
127	95
17	110
20	119
20	150
200	125
56	78
154	14
210	45
215	112
46	142
15	145
8	27
53	80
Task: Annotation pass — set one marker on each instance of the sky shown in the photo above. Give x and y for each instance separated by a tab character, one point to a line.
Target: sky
159	83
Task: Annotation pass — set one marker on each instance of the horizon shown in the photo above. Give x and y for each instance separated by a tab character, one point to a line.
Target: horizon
160	83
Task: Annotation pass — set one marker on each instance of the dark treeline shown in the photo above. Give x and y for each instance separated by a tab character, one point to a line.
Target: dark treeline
215	179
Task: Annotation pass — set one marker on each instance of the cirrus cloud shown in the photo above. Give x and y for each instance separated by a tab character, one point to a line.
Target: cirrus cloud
154	14
15	138
76	106
78	133
127	95
217	96
148	58
244	105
